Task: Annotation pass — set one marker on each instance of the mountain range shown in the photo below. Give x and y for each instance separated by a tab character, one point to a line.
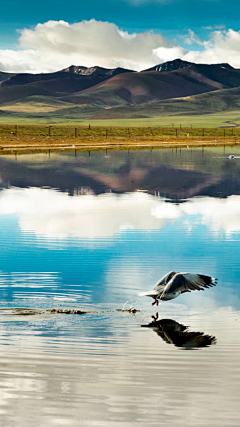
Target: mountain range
173	87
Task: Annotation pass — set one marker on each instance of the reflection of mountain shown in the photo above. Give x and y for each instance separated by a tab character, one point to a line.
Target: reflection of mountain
177	177
60	177
174	333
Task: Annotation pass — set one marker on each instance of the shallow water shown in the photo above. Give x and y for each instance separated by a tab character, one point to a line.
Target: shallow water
81	235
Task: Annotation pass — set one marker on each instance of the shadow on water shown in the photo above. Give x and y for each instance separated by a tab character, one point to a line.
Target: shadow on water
21	311
175	333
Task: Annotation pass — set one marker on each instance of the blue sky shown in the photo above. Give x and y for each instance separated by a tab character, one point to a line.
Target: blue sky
171	16
171	19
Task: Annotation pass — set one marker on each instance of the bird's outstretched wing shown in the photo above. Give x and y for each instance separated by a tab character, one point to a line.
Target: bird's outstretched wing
160	285
186	282
164	280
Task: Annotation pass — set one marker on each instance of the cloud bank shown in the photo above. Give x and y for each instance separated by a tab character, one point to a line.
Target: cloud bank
54	45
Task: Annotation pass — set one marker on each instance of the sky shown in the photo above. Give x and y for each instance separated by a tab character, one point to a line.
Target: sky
135	34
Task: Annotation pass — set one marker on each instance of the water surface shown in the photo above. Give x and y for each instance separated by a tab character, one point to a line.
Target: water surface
82	233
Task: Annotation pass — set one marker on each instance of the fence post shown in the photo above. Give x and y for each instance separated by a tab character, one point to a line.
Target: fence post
75	132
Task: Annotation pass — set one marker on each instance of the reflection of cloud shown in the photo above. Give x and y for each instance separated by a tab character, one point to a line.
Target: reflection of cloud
52	214
217	214
56	215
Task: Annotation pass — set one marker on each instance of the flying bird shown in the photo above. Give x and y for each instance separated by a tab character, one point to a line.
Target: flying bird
173	284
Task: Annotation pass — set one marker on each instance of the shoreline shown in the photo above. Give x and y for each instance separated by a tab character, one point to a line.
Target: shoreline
14	143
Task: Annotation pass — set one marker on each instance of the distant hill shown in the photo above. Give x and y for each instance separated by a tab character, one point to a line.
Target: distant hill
174	87
76	78
71	80
149	86
176	64
99	71
5	76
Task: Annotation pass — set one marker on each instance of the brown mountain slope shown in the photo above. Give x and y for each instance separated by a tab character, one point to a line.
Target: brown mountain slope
221	76
138	88
119	87
71	80
148	86
80	77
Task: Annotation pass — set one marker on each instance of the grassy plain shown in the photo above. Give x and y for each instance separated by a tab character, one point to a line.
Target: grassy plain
79	116
39	137
220	108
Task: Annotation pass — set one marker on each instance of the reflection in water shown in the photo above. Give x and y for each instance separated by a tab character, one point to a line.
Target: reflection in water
46	212
175	333
81	235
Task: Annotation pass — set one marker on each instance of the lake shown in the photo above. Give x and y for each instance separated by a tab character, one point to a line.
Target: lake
82	233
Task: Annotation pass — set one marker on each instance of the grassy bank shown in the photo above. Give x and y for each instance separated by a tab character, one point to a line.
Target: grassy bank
99	137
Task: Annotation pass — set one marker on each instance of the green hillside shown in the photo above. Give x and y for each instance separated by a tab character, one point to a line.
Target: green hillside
217	108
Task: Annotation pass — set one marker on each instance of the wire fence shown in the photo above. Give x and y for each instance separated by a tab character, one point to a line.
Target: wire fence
114	132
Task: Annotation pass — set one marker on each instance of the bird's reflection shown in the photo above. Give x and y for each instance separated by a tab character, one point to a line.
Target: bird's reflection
175	333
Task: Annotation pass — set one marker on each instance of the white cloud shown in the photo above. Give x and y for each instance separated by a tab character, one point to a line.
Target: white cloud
193	38
169	53
222	46
58	44
54	45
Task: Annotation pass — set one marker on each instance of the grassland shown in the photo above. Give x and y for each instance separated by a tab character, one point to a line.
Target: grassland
39	137
79	116
215	109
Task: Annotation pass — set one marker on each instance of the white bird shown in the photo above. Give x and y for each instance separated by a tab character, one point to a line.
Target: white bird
173	284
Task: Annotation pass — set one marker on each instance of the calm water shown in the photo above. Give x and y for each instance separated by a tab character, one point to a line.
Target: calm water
86	232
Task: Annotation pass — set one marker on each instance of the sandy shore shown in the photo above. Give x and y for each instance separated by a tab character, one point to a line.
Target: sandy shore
13	143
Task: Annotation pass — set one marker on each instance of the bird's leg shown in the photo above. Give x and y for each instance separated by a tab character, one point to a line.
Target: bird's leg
155	301
155	318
